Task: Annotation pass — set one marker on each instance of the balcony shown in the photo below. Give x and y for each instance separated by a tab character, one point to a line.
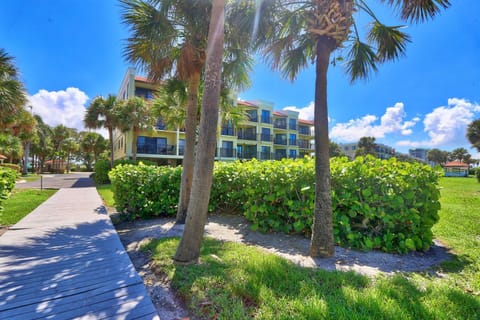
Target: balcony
304	144
165	150
252	116
247	154
266	119
292	142
280	124
225	152
252	136
281	140
304	131
227	131
266	137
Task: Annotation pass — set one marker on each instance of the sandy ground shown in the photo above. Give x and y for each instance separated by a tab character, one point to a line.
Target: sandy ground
292	247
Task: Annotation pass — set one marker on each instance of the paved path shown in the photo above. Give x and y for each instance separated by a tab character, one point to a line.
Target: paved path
57	181
65	260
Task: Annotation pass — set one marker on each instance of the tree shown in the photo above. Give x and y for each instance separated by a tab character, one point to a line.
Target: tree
42	142
459	154
437	156
12	92
170	104
473	134
11	147
134	114
334	150
24	128
188	250
311	30
101	113
60	134
366	145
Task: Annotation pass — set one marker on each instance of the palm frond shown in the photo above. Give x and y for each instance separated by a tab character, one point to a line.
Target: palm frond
390	41
419	10
361	60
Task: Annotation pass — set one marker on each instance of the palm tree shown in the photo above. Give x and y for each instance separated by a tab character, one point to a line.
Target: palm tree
11	147
101	113
170	104
188	250
169	37
24	128
473	134
134	114
12	92
300	31
366	145
42	143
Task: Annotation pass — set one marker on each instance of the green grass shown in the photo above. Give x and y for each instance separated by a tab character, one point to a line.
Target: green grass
21	203
30	177
105	191
234	281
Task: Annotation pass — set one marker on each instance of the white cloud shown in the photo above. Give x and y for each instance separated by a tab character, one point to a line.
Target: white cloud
65	107
446	125
392	121
305	113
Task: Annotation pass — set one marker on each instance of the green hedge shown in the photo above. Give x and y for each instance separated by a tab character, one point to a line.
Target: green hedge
102	168
12	166
378	204
143	191
7	183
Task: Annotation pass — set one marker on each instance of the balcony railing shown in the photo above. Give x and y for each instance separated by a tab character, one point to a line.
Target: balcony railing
292	142
225	152
266	137
280	140
160	150
228	131
293	126
252	136
304	131
280	124
304	144
266	119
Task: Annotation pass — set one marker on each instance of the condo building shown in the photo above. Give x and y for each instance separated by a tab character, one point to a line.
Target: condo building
265	134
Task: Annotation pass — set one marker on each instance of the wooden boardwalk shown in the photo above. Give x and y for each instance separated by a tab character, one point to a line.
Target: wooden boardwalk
65	261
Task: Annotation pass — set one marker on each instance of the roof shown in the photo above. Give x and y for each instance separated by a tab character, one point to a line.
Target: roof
280	113
456	164
2	157
247	103
143	79
304	121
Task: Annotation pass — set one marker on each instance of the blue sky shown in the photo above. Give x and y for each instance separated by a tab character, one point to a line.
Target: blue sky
71	51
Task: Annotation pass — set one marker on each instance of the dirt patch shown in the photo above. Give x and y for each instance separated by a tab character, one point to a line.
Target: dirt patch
292	247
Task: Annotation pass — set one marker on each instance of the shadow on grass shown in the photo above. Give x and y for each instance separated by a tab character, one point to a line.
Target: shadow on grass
241	282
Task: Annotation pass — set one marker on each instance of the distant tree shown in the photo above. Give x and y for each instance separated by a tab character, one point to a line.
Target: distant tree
101	113
12	91
134	114
335	150
473	134
11	147
437	156
24	128
366	145
459	154
92	145
60	134
42	142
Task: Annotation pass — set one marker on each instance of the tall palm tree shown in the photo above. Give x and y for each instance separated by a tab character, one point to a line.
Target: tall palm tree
303	31
101	113
169	37
188	249
23	127
134	114
12	92
473	134
11	147
42	143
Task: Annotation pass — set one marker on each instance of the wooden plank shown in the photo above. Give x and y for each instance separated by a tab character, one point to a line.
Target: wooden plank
65	260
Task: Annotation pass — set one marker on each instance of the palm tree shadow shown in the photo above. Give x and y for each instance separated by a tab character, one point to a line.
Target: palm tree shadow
69	272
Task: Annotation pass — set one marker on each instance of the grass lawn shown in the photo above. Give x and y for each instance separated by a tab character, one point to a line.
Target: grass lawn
105	191
30	177
21	203
234	281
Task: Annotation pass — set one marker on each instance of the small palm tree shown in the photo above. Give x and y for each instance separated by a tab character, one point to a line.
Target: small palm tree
296	32
12	92
101	113
134	114
170	104
473	134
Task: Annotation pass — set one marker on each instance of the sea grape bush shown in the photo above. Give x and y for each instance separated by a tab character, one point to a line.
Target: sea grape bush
144	191
377	204
7	183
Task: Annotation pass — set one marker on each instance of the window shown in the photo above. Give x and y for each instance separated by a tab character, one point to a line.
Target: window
292	124
266	116
266	134
265	153
292	154
227	149
227	129
151	145
181	146
252	115
280	123
293	139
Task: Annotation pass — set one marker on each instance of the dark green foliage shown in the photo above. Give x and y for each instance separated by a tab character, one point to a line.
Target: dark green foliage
102	167
145	191
478	175
7	183
378	204
12	166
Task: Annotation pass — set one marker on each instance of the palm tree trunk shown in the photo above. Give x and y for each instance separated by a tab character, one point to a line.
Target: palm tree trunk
134	143
26	155
189	149
321	244
110	137
188	250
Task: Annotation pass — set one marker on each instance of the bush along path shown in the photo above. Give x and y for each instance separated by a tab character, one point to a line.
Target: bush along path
378	204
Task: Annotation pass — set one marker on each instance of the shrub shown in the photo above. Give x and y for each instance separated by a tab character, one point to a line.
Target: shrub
100	176
145	191
12	166
377	204
478	175
7	183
